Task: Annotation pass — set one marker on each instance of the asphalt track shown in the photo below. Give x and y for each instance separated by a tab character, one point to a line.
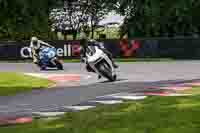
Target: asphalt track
132	78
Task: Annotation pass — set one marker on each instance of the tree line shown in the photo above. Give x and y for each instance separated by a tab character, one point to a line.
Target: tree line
20	19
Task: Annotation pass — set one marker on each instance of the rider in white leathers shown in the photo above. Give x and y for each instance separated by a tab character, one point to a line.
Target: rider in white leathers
85	42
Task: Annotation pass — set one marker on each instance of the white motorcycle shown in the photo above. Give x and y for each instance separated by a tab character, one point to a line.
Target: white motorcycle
100	63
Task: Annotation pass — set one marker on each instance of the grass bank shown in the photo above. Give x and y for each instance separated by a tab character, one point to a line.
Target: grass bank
13	83
152	115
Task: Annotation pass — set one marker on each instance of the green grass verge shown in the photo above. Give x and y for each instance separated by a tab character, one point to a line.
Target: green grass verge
152	115
193	91
12	83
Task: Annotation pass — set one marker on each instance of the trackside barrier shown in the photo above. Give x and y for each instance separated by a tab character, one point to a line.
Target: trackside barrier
137	48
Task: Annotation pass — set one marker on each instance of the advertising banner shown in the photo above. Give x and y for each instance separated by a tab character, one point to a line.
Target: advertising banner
137	48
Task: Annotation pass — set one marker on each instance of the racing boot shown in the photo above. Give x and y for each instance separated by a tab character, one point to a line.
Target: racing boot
114	65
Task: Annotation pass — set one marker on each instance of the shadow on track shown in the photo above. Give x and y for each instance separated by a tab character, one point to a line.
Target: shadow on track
107	81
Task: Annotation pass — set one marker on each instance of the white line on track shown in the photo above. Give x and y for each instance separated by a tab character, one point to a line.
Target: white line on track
107	101
126	96
49	114
79	108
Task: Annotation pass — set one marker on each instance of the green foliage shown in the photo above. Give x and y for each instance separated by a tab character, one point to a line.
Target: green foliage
97	9
158	18
21	19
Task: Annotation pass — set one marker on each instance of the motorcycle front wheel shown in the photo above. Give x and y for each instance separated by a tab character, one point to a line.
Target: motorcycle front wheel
59	65
41	66
106	72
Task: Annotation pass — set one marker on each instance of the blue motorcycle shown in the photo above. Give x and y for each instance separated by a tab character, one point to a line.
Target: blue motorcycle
48	58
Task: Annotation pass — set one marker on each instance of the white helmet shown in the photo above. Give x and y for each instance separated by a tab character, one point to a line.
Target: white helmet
35	43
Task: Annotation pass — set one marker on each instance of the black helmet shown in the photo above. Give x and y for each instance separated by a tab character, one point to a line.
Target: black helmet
83	39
